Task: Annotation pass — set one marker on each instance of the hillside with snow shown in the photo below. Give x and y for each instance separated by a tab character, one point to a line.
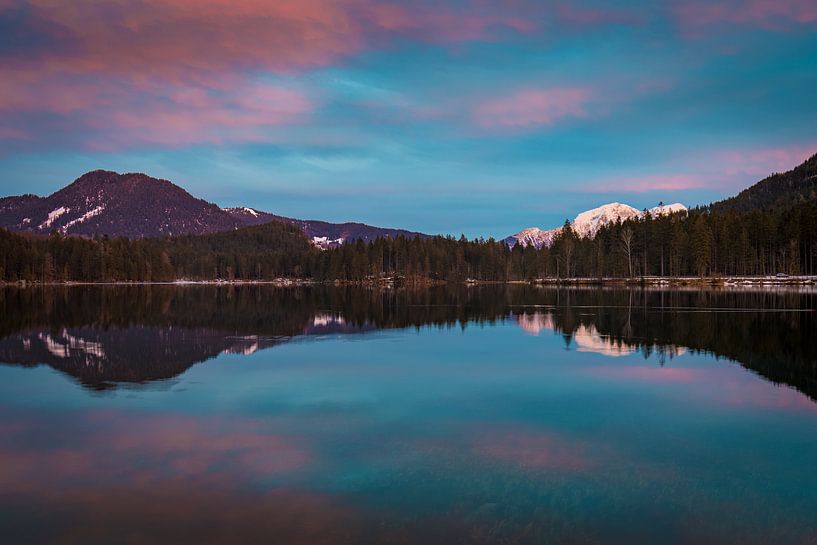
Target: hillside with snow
137	206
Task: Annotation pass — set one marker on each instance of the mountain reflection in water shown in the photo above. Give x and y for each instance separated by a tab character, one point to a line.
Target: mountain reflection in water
104	336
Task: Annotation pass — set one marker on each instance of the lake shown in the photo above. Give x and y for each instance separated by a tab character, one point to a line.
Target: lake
484	414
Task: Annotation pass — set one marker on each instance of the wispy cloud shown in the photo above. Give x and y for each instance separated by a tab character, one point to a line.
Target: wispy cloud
769	14
644	184
722	170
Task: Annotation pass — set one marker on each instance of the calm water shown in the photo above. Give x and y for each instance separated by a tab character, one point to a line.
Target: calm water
487	415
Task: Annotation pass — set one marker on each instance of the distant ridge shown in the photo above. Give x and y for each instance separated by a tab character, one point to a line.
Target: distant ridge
322	233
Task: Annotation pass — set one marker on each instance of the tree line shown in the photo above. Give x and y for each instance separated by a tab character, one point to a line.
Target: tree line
265	252
702	242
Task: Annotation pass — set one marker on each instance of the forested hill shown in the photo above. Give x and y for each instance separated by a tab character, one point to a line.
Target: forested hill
785	189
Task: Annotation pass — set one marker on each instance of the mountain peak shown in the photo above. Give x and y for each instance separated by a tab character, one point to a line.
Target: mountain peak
103	202
533	236
588	223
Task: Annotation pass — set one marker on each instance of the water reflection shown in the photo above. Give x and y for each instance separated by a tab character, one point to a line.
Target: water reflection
504	414
103	335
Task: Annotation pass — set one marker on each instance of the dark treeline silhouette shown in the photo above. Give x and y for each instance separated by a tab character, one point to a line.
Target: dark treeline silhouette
262	252
105	335
265	252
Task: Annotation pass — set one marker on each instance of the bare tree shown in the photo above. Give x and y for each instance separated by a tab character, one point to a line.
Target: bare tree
567	251
627	242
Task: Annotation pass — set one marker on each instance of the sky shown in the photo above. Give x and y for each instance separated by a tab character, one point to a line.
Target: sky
453	116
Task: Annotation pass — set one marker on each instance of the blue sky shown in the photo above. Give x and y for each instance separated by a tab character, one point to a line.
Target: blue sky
464	116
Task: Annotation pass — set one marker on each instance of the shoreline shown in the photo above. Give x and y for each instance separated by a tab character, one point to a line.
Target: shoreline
706	281
703	282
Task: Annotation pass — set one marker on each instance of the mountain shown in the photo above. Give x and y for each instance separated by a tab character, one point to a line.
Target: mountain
135	205
323	234
588	223
782	189
107	203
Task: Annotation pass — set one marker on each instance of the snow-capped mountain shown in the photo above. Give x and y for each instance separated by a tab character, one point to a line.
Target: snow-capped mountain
588	223
533	236
137	206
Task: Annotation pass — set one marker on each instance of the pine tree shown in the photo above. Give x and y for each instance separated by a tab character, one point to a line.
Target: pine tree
702	245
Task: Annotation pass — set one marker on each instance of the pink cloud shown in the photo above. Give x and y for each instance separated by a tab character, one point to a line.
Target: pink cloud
726	170
644	184
771	14
176	72
530	107
187	39
120	114
189	115
762	162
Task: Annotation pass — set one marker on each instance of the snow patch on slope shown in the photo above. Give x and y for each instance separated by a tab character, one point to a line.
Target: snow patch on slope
324	243
53	216
86	216
667	209
243	210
